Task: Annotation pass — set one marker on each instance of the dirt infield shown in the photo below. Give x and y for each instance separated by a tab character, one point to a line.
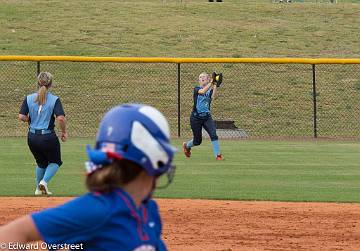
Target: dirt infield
232	225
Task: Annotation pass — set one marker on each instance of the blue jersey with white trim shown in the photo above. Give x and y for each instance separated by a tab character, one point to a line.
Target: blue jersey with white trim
202	101
41	115
109	221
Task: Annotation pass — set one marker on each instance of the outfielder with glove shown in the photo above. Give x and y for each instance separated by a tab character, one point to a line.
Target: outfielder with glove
201	116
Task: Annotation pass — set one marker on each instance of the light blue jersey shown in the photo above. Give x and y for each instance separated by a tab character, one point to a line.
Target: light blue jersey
41	115
202	102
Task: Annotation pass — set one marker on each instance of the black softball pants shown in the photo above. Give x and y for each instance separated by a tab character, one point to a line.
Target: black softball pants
206	122
45	148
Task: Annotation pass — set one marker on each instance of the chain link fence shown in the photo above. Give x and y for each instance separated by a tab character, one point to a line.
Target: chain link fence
257	100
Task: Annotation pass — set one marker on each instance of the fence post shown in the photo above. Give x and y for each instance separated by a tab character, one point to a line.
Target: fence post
314	100
178	100
38	68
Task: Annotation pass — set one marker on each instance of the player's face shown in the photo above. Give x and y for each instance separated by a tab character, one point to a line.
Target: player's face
204	80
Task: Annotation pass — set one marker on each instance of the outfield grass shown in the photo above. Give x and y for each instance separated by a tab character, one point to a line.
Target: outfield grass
264	100
194	28
268	100
252	170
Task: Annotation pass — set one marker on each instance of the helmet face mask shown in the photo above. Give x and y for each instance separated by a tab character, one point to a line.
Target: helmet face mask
137	133
169	176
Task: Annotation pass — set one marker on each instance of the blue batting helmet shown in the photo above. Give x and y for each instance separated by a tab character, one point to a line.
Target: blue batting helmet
135	132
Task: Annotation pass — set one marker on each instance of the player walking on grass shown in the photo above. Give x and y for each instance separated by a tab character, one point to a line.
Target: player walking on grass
132	151
40	110
201	116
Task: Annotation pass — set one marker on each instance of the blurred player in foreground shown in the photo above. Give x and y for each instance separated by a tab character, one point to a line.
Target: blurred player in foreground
132	151
40	110
201	116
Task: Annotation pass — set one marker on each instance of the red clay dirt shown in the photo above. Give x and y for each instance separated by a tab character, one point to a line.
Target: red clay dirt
234	225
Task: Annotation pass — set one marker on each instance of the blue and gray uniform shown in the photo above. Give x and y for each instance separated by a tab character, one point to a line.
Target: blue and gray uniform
42	117
202	103
201	118
111	222
42	140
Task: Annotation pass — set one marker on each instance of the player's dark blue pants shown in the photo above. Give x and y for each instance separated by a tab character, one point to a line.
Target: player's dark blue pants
45	148
199	122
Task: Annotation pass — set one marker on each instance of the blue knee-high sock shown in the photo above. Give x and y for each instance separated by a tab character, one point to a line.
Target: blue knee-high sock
216	147
39	173
50	171
190	143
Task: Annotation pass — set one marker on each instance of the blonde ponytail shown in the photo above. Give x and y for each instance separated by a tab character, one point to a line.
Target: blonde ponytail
45	81
41	96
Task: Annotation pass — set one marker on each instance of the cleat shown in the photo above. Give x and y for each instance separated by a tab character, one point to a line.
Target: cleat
187	151
43	188
37	191
219	157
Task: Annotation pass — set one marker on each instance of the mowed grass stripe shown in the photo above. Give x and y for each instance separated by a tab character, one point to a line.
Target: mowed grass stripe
252	170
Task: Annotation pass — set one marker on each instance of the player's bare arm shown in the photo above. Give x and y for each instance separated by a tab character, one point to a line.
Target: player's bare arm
24	118
62	123
20	231
214	94
205	89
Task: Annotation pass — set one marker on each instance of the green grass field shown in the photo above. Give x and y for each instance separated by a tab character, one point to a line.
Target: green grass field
264	100
194	28
253	170
269	100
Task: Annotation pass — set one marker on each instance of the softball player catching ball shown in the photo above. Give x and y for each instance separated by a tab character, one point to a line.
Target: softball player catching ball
132	150
201	116
40	110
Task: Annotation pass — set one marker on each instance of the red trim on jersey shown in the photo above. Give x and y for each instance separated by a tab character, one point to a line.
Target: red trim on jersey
96	193
145	214
143	236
